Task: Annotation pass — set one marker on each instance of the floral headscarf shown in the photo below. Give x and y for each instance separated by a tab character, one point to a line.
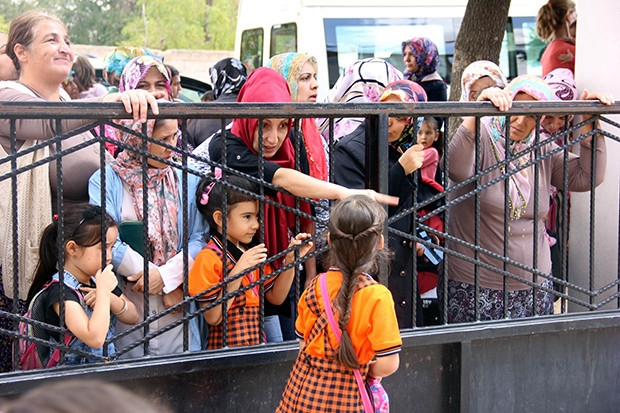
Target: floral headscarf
119	57
137	68
162	193
426	56
562	84
267	85
289	65
361	82
476	71
228	77
406	90
519	185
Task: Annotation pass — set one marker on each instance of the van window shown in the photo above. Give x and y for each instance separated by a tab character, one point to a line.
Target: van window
348	40
529	47
283	38
252	47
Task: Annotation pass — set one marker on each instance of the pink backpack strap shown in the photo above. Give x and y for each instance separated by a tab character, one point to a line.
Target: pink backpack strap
368	406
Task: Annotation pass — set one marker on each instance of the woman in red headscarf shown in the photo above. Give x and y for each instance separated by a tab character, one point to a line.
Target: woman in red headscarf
244	147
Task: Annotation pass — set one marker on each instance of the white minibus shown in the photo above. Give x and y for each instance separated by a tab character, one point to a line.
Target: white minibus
338	32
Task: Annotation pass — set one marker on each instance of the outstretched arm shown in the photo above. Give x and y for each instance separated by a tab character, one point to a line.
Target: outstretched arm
300	184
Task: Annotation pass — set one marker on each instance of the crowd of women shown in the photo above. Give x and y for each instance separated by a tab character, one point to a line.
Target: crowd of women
240	249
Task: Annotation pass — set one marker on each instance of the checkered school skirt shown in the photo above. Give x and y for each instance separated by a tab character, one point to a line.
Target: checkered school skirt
320	385
243	329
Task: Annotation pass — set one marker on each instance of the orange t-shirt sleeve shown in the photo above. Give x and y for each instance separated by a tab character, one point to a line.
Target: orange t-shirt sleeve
374	329
373	326
205	273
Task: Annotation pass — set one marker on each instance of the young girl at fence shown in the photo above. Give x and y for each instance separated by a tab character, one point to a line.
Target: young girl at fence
431	138
208	274
90	318
365	336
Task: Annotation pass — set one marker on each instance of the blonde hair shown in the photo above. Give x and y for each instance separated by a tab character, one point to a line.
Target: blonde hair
551	17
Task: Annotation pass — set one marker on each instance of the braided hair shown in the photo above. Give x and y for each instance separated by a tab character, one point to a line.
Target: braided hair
355	228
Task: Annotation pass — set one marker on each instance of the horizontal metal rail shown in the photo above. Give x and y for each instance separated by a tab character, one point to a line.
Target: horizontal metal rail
101	113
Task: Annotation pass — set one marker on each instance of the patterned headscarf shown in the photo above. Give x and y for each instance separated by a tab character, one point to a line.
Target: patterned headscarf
162	193
267	85
119	57
476	71
406	90
137	68
519	185
361	82
562	84
426	56
227	76
289	65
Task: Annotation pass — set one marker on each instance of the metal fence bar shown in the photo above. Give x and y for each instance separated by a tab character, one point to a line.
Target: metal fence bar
378	117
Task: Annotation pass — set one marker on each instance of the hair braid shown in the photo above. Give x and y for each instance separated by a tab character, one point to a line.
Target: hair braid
355	229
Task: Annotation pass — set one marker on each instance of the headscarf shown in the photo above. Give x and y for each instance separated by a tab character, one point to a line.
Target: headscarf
426	56
289	65
119	57
405	90
137	68
267	85
476	71
562	84
227	77
519	185
563	87
361	82
162	193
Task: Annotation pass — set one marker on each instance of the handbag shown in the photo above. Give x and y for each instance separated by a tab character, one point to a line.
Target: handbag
380	402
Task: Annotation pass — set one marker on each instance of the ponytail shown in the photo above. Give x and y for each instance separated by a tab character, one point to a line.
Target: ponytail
355	229
48	260
551	17
82	225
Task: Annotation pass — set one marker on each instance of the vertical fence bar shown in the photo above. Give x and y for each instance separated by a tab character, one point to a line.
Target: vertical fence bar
477	185
145	233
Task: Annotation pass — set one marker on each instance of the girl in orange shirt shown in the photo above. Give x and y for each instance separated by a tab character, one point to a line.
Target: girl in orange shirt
206	277
323	377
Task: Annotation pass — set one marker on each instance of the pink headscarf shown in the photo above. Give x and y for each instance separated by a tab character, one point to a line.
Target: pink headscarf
519	185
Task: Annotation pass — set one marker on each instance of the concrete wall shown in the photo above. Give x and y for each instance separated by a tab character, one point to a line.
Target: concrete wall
597	61
192	63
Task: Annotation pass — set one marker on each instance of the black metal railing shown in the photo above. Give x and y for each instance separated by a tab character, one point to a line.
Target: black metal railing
588	297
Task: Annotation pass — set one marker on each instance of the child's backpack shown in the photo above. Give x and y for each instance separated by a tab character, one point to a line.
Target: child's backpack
33	355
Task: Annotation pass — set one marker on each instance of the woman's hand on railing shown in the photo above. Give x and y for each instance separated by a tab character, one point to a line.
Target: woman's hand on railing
136	102
604	98
500	98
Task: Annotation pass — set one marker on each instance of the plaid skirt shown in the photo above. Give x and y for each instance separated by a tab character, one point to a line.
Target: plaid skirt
243	329
320	385
461	302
